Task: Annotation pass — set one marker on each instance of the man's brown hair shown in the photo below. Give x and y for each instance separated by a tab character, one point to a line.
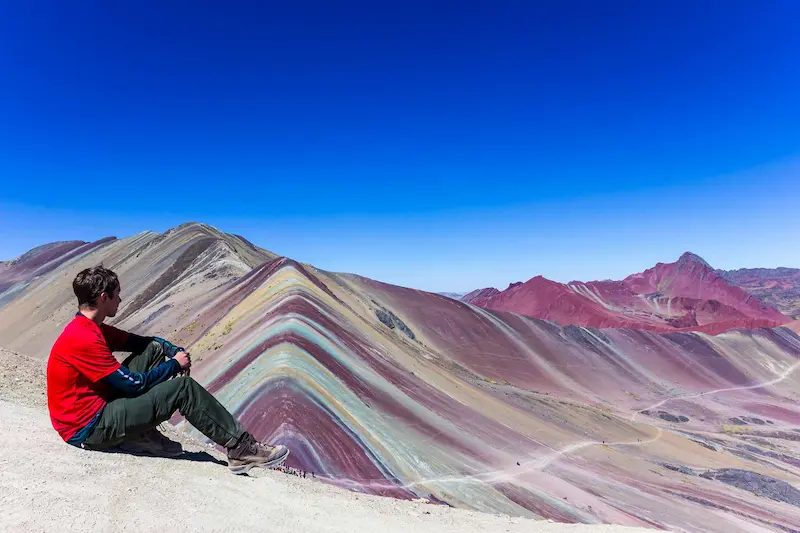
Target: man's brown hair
89	284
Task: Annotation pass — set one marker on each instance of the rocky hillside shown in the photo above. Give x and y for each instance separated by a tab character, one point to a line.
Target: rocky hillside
53	487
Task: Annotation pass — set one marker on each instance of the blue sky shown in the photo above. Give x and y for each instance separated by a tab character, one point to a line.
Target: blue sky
444	146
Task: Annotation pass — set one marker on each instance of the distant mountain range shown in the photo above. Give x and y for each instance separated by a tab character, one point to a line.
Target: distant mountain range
778	287
687	295
453	295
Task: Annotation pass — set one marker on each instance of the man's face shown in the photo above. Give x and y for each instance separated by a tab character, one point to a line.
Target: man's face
112	303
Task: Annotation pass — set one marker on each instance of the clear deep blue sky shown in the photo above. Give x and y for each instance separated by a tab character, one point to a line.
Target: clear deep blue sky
439	145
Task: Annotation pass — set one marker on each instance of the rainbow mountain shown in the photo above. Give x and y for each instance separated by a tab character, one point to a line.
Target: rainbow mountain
395	391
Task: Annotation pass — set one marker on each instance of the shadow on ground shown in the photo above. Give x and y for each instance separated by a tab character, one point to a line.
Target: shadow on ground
201	457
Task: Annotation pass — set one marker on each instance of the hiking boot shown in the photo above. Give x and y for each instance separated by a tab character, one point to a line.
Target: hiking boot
152	442
248	453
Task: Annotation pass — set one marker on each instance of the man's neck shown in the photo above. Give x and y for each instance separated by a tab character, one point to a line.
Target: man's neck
94	315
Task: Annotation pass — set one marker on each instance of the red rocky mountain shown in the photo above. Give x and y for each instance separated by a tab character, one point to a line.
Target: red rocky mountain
687	295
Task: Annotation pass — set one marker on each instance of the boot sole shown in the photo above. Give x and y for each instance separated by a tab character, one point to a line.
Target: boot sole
245	468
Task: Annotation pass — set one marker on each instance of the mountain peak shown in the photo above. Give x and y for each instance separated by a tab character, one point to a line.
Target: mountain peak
689	257
195	225
541	281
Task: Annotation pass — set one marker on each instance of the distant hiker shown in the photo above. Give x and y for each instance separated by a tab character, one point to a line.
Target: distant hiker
97	403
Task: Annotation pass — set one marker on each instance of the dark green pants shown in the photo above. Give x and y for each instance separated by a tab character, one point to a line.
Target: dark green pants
125	418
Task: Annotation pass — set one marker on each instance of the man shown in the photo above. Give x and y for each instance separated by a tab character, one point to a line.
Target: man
97	403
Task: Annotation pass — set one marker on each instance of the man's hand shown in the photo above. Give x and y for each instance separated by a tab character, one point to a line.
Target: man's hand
184	360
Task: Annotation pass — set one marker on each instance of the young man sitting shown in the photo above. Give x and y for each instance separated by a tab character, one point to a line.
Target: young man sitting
97	403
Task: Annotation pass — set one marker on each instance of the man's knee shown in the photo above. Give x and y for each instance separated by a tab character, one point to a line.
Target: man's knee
172	394
172	388
184	391
155	346
185	383
141	361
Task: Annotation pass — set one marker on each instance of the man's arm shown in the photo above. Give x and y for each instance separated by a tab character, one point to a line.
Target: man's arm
132	384
136	344
169	349
125	341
